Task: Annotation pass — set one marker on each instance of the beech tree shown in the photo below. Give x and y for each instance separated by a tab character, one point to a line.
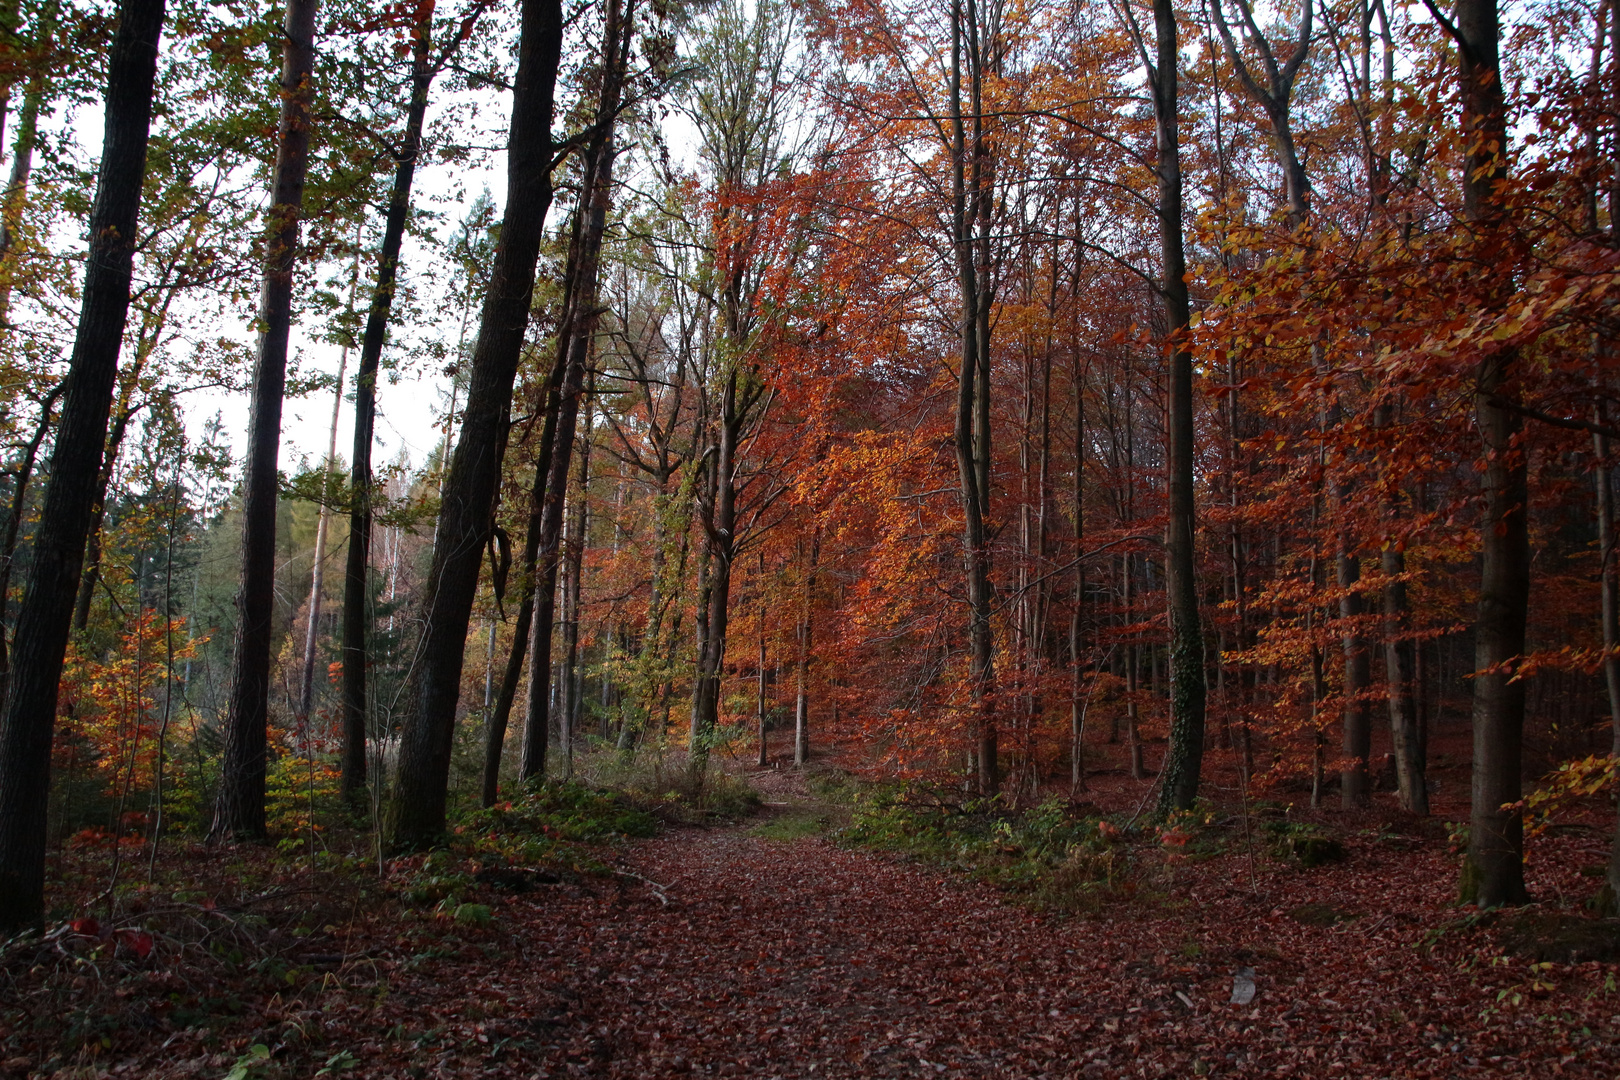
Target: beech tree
418	802
239	808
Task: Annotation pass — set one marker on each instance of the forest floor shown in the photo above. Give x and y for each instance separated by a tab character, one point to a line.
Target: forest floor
764	949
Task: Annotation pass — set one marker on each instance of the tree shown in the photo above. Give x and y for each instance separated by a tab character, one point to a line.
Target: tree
574	342
1184	758
239	808
356	574
417	810
43	622
1494	872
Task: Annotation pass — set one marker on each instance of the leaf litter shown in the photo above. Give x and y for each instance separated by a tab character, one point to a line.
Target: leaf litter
721	952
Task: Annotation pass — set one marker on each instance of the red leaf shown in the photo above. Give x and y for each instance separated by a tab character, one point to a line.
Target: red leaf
139	940
88	926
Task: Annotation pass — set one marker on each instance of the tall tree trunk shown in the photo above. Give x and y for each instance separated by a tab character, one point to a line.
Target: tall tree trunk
1494	873
1610	591
356	630
1400	667
573	593
465	519
722	531
47	605
574	340
972	436
1185	754
239	806
1077	710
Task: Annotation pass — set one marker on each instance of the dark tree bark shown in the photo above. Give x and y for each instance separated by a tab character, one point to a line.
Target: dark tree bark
574	342
465	519
356	643
239	807
495	733
969	225
47	606
1185	755
573	565
1610	614
1494	871
8	541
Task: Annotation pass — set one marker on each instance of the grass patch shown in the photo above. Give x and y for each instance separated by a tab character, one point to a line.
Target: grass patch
791	825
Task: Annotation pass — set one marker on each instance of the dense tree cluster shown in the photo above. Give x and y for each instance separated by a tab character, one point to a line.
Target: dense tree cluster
962	388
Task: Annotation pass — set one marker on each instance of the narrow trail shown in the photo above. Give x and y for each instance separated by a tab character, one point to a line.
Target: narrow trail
793	958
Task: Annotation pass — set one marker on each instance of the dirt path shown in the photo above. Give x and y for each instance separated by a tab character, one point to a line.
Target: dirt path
770	958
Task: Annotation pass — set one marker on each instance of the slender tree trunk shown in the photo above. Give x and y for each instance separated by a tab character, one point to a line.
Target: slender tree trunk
465	518
356	630
573	594
1077	760
573	341
1399	670
317	579
523	632
722	548
239	806
759	710
972	436
801	703
1185	753
47	605
1494	872
19	502
1610	587
92	553
15	197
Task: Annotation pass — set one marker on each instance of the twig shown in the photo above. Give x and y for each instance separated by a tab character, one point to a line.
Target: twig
658	890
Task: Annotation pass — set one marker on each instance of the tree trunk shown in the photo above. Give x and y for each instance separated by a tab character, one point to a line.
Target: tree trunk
418	807
574	339
92	554
22	166
1077	712
801	703
239	806
1610	587
1185	754
1494	873
522	633
972	435
356	630
1400	672
573	593
317	578
47	605
19	504
722	548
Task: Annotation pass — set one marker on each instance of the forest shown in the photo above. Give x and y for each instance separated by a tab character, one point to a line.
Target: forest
1135	475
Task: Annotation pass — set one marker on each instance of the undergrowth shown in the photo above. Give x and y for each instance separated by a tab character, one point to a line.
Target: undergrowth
1054	856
